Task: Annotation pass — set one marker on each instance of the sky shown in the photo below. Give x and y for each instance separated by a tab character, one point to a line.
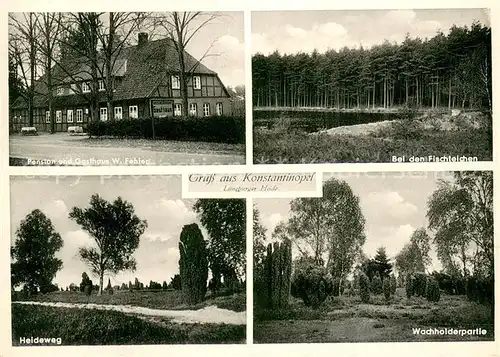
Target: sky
220	45
155	199
393	204
304	31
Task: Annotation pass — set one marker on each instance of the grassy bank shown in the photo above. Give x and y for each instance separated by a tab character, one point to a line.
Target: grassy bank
92	327
163	300
282	146
346	319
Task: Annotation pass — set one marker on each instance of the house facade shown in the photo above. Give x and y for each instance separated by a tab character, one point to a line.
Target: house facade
145	81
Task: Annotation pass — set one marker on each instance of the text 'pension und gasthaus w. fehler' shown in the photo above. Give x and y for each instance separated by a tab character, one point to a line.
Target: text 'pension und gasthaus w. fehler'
212	185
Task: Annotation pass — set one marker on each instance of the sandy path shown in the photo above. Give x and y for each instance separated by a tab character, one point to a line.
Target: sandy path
209	314
358	129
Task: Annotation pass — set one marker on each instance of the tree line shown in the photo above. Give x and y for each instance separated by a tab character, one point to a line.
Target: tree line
452	70
174	284
116	231
41	43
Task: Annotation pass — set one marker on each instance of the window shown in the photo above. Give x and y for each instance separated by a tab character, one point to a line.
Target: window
70	115
193	110
103	114
85	87
206	109
176	83
101	85
197	82
118	113
79	116
47	117
59	91
133	112
218	109
87	111
177	110
58	116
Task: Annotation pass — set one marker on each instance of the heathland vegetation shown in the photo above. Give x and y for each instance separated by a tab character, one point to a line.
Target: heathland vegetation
329	290
116	231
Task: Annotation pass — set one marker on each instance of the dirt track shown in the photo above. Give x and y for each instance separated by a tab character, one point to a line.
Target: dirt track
209	314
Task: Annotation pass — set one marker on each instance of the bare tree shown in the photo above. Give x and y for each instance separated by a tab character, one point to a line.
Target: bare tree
49	28
84	55
181	27
23	31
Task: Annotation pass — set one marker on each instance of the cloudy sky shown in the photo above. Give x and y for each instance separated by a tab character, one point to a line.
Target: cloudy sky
155	199
304	31
393	204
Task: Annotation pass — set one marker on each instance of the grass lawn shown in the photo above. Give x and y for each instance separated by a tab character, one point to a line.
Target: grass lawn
163	300
283	145
346	319
92	327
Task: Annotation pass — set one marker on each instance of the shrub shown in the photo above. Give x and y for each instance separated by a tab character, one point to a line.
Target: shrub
406	129
376	284
392	284
432	291
407	112
193	264
312	284
85	281
386	287
175	282
222	129
480	290
48	288
419	284
108	287
409	286
87	290
364	287
273	277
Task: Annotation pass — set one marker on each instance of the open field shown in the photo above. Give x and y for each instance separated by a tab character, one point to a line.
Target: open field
77	326
437	135
346	319
164	300
92	327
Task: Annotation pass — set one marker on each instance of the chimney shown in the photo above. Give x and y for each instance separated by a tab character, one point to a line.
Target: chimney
143	39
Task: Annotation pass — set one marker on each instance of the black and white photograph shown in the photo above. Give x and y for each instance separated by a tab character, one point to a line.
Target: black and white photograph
361	86
380	257
126	88
123	260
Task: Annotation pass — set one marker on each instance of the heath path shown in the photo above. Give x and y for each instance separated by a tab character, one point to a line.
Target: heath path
209	314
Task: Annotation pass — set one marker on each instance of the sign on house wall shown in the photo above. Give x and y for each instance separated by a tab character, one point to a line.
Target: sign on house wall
162	108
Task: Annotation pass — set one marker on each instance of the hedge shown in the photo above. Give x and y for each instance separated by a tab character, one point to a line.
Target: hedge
221	129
